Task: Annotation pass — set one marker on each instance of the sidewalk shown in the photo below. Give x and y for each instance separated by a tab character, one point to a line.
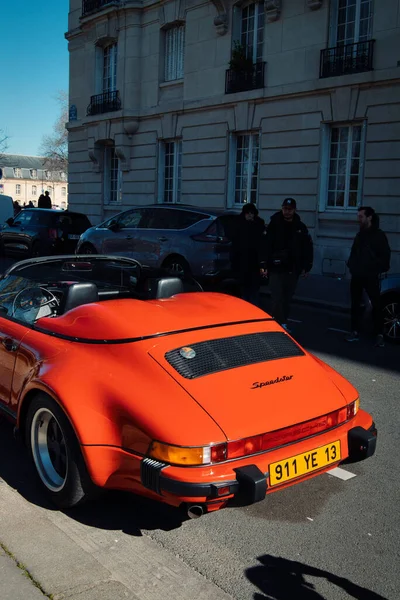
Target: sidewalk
15	582
72	560
331	293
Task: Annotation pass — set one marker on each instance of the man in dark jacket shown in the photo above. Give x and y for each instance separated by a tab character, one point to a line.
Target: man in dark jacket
369	258
246	252
289	250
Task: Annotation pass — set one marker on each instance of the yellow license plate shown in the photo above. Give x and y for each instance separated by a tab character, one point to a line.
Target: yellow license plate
301	464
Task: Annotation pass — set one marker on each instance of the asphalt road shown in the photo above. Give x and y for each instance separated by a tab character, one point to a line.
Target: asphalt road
325	539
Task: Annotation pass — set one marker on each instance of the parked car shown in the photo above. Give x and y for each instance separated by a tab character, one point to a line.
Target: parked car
183	239
116	382
6	208
390	296
41	232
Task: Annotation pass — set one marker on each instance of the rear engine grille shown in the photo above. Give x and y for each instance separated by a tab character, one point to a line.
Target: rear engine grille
150	470
214	356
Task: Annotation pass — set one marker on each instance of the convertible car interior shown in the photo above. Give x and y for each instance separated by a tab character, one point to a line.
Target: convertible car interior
51	287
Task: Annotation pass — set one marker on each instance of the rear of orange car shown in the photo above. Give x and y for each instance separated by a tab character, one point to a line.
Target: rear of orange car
285	416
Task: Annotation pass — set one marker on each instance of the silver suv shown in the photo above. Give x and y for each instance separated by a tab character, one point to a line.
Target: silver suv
183	239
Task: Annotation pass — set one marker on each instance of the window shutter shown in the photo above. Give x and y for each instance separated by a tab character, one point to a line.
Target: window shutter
333	18
180	52
236	25
161	171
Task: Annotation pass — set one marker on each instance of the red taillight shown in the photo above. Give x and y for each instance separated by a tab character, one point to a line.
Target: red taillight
53	234
218	453
288	435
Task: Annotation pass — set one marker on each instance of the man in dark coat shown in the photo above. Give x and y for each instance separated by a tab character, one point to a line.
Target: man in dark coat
246	252
44	200
369	258
289	250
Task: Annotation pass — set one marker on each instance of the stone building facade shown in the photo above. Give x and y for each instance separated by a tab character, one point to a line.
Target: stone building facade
216	103
24	178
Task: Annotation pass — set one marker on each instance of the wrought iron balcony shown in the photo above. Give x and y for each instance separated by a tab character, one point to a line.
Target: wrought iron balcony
243	81
90	6
347	59
103	103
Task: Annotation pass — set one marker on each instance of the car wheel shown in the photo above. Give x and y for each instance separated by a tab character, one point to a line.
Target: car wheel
56	454
87	249
391	318
177	265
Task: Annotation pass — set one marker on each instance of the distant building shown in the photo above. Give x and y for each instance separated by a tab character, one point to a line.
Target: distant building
24	178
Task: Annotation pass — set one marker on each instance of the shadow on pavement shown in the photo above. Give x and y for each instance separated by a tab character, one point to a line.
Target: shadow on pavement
281	579
315	333
111	511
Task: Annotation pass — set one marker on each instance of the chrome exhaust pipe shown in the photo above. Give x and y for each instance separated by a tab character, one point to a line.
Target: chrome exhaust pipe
195	511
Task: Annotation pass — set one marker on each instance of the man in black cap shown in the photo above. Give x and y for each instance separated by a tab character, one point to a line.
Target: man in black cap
289	253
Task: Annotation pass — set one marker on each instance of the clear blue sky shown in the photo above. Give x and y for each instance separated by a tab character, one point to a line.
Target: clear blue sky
34	67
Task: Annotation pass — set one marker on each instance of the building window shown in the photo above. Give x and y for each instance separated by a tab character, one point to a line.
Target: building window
244	167
174	52
112	177
34	190
342	166
170	171
353	20
110	68
252	30
33	173
17	172
18	189
63	191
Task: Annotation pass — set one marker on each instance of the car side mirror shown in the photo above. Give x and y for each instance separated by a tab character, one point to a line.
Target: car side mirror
10	221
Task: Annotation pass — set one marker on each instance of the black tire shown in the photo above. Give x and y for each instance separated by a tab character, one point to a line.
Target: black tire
177	265
62	472
87	249
391	317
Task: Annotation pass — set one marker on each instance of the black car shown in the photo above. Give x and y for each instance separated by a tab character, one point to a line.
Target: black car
41	232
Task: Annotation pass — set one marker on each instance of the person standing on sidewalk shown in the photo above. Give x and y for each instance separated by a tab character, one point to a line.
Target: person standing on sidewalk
246	252
289	249
369	258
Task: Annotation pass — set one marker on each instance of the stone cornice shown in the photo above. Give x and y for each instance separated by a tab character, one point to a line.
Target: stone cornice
272	10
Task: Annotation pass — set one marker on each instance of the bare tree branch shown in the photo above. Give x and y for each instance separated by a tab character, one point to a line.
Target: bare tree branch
54	146
3	142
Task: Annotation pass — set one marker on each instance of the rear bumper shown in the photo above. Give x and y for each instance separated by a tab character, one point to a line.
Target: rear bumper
250	484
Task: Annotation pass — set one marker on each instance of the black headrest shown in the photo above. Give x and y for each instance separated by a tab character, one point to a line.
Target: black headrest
169	286
78	294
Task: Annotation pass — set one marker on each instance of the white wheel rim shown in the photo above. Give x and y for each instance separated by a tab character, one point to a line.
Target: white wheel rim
49	450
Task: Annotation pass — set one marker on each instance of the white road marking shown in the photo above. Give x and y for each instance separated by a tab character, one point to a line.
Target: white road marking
341	474
339	330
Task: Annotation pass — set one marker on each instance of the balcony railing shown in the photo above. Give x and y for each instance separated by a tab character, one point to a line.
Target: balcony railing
347	59
103	103
243	81
90	6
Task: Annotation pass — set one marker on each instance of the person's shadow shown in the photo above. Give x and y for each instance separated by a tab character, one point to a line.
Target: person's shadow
282	579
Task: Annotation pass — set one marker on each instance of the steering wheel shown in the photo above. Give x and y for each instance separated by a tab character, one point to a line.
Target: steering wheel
30	302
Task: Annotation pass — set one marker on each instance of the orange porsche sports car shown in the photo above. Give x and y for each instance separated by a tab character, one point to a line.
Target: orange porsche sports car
121	377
